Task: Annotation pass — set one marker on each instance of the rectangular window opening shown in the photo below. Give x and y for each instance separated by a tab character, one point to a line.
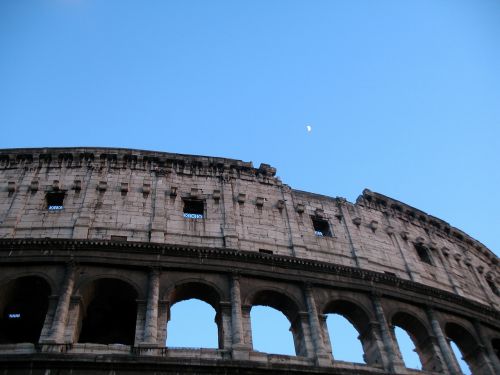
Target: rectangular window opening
264	251
423	254
493	287
321	227
119	238
193	209
55	201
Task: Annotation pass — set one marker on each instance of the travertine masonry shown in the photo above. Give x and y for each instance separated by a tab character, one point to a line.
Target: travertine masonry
143	230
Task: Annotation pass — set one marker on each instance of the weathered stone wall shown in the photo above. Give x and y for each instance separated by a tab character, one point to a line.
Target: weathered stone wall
139	195
377	261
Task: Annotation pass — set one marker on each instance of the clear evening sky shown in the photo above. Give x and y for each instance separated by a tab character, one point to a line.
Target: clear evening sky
403	97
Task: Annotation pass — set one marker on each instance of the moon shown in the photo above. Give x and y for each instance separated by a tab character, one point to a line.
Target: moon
309	128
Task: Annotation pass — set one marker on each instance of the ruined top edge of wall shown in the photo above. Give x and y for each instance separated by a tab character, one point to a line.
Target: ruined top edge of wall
385	204
121	157
163	162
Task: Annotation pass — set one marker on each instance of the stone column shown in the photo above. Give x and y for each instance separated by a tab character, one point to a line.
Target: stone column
373	346
317	337
163	308
236	315
326	335
224	323
151	320
49	317
75	318
392	352
449	358
247	326
490	357
344	218
302	335
61	314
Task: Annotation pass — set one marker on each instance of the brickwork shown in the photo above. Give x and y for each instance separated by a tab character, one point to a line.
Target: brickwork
377	261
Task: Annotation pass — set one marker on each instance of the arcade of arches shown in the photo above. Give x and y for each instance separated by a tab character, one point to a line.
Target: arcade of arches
111	310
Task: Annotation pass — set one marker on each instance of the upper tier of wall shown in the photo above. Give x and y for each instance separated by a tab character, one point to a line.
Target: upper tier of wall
132	195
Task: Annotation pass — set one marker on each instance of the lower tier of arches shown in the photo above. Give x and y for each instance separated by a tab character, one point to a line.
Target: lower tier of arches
95	309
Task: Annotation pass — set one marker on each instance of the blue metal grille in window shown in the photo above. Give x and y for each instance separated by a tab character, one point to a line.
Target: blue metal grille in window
55	200
193	209
188	215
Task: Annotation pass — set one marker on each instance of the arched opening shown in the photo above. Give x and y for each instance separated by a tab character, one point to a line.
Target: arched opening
465	348
194	304
192	324
272	315
110	313
344	339
271	331
352	323
414	337
407	349
464	367
23	306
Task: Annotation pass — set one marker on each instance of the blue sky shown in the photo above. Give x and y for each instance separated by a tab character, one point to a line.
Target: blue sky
403	96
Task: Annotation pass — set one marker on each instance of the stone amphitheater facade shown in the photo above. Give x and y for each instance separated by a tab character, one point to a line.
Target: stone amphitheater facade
97	244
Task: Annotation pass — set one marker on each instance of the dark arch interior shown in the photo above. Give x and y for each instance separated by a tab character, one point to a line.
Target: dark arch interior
277	301
111	312
421	339
352	312
196	290
465	342
413	326
361	322
495	343
23	306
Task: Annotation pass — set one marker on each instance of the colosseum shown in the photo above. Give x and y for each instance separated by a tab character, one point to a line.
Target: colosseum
97	244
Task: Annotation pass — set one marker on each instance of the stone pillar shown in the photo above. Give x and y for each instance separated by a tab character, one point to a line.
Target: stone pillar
316	334
163	309
490	357
49	318
63	304
432	359
151	320
392	352
75	318
448	356
247	326
223	320
344	218
159	216
229	223
236	315
297	245
302	335
326	334
373	346
479	362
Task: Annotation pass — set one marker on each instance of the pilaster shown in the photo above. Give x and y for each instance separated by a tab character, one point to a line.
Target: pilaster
395	364
151	318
